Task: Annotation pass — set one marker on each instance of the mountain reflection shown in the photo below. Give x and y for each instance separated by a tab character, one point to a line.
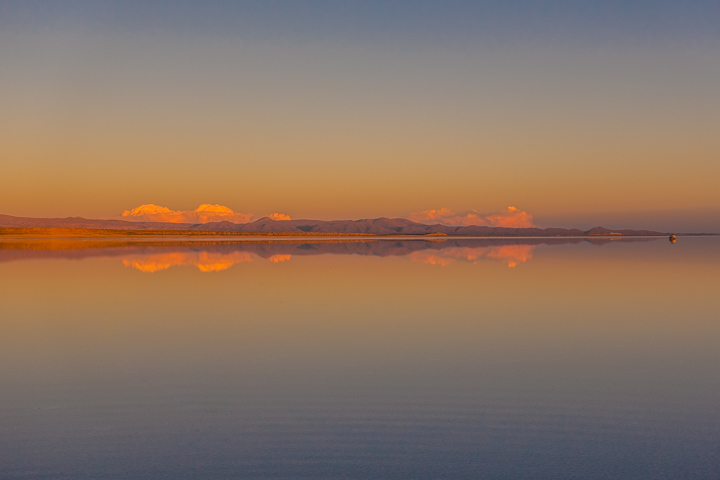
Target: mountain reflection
209	262
213	256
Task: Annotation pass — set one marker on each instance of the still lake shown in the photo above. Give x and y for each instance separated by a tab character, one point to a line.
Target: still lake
398	359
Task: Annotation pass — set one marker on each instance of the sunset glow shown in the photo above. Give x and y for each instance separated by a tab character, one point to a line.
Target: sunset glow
444	114
279	258
512	255
204	261
396	239
205	213
510	217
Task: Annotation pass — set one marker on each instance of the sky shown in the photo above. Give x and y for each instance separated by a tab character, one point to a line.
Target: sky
580	113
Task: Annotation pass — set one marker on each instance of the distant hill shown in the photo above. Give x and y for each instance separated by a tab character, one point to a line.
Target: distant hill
377	226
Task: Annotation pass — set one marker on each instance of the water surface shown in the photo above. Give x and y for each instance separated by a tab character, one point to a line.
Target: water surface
473	358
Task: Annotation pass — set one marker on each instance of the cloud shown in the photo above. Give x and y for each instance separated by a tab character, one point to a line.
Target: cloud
511	217
510	254
204	261
431	215
278	216
203	214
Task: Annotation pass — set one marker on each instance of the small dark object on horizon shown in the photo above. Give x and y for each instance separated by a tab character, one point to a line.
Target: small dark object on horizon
672	238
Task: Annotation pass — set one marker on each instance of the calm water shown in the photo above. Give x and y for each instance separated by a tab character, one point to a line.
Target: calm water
525	359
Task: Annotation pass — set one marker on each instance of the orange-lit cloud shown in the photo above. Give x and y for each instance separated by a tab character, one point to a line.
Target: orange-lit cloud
278	216
279	258
511	217
203	214
510	254
204	261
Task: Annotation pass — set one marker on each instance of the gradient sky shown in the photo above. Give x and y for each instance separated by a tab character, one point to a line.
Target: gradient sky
580	113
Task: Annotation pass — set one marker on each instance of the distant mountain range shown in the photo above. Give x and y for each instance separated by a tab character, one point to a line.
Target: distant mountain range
377	226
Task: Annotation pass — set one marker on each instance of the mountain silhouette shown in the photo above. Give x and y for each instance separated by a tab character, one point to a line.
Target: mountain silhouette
377	226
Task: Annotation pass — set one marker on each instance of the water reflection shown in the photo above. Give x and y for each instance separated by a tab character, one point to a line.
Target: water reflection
390	358
510	254
204	261
214	256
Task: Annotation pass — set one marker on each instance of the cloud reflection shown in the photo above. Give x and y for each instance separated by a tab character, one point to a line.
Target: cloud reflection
279	258
510	254
204	261
218	255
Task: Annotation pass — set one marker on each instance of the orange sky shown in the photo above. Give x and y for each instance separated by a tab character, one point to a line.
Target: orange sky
576	133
